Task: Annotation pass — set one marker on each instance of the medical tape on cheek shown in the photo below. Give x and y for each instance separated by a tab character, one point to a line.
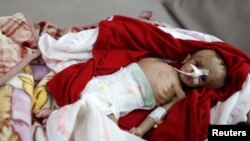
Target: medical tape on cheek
195	74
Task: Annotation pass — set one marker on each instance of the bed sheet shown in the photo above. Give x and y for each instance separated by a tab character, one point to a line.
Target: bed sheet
234	110
25	93
24	76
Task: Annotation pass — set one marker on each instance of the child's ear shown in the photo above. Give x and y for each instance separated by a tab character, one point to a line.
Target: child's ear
186	59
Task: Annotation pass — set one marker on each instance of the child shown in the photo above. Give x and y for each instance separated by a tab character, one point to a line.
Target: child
152	82
213	73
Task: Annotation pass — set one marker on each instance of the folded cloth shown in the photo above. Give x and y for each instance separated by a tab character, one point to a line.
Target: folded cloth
70	49
233	110
83	121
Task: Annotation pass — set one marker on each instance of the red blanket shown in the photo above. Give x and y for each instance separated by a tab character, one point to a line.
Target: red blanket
123	40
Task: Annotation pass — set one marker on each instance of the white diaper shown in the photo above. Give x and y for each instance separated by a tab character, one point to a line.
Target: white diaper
121	92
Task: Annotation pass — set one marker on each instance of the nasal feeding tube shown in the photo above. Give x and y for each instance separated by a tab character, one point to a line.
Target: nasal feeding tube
195	74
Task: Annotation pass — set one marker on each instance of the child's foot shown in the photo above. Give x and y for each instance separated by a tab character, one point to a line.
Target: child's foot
43	115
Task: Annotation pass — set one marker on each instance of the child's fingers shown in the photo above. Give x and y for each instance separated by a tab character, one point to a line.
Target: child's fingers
44	121
179	92
132	130
44	126
39	114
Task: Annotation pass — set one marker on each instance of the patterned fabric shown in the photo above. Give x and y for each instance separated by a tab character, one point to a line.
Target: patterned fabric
18	40
16	104
17	48
23	76
20	30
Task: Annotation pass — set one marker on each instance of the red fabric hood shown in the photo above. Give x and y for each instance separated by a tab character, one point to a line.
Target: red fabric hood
123	40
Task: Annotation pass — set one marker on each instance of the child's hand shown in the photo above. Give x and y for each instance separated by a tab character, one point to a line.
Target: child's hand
163	79
136	131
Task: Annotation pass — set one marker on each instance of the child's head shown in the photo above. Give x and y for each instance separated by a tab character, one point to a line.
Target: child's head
207	60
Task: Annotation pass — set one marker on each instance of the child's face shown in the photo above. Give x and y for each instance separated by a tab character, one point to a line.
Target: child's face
202	60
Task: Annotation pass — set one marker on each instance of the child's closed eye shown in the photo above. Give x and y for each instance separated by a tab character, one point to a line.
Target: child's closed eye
197	64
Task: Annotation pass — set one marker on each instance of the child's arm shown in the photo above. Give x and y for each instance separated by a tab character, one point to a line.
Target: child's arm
144	127
152	119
